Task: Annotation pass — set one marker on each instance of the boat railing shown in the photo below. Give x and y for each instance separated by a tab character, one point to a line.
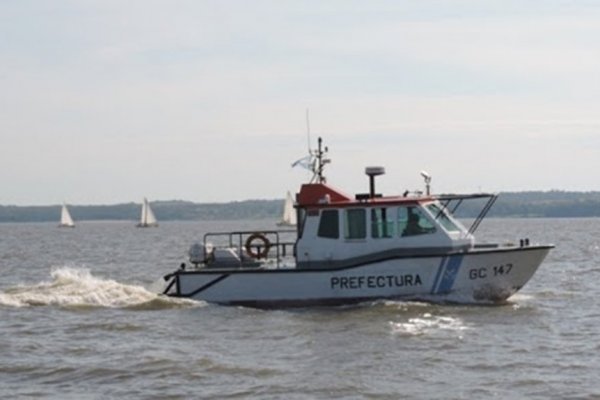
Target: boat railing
254	247
457	200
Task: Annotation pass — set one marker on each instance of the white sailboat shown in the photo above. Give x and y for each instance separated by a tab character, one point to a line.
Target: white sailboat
65	218
289	214
147	218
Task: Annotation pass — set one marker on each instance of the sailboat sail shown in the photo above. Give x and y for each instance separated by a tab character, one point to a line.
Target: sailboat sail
65	218
147	218
289	214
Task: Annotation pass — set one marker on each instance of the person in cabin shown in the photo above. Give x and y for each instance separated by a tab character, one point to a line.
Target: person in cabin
412	225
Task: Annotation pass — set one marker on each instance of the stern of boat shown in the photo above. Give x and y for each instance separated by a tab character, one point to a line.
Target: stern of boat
171	285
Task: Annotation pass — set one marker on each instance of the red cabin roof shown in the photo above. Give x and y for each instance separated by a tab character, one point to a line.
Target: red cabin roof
319	193
323	195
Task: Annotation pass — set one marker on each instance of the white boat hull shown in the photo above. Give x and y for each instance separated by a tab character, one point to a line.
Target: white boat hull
476	276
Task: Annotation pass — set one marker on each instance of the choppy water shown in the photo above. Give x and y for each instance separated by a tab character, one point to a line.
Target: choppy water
79	319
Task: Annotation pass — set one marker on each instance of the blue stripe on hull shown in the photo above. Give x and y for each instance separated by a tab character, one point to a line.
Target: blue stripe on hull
446	274
438	274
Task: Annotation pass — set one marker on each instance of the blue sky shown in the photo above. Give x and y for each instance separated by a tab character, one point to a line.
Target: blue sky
110	101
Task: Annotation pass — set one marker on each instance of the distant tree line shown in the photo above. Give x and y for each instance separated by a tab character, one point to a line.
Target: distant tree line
537	204
552	204
164	210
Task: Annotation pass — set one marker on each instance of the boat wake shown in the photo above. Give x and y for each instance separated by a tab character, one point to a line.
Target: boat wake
77	288
427	324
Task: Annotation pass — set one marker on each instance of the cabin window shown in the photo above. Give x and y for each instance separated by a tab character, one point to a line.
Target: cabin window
412	221
441	216
356	225
329	224
382	226
301	221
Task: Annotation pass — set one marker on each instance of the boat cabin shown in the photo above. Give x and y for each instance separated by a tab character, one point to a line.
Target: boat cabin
336	230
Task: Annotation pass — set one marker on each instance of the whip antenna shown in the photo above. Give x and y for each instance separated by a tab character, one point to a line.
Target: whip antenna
308	130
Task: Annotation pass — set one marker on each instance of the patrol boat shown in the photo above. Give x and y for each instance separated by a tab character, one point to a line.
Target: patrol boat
350	249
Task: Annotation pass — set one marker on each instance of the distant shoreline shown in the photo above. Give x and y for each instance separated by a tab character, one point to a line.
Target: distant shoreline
549	204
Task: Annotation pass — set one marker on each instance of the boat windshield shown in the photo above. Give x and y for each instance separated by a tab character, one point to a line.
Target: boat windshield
443	218
412	221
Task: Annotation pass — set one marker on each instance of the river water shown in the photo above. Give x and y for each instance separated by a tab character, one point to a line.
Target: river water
79	319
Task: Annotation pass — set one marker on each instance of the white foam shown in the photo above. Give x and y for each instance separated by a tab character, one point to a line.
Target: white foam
521	297
77	287
427	324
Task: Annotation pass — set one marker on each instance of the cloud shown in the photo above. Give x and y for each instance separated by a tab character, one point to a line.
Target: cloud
165	94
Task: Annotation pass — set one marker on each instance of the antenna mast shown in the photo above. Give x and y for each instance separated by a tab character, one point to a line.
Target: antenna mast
308	130
315	161
320	163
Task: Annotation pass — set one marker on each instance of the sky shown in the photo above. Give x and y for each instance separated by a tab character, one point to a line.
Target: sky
105	102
